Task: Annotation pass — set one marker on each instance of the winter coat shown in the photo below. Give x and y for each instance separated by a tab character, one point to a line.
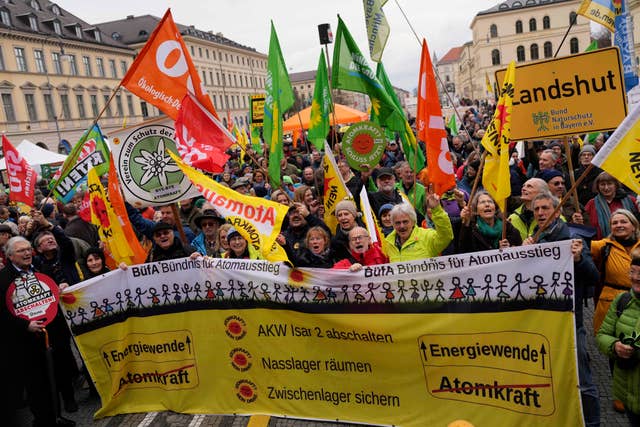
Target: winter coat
626	382
422	243
520	220
372	256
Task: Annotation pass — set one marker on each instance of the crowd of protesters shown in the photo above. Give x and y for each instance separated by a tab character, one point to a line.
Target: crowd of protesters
416	223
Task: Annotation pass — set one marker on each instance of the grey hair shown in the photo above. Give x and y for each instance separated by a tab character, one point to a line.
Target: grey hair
545	195
404	208
9	247
553	154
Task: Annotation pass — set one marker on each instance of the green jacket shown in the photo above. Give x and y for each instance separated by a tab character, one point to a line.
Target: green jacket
423	242
626	382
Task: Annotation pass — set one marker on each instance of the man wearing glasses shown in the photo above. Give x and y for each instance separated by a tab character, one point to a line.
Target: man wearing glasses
361	251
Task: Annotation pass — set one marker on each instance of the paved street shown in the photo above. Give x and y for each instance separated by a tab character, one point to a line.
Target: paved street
88	405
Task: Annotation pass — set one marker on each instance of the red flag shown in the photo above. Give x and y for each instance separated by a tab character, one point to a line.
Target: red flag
163	71
431	127
84	211
22	177
200	137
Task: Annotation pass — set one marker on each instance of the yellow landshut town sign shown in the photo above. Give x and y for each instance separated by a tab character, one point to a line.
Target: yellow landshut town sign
567	96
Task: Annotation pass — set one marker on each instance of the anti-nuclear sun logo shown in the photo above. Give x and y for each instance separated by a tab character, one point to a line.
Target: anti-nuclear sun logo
147	169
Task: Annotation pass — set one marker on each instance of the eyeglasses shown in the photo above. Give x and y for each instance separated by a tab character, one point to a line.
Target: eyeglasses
356	238
162	233
208	224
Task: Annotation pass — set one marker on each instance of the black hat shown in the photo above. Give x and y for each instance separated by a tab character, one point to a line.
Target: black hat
385	171
209	214
161	225
6	228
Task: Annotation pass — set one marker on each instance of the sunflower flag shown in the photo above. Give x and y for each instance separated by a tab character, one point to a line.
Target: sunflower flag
320	107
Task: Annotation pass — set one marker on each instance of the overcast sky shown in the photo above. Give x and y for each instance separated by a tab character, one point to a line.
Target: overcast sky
444	24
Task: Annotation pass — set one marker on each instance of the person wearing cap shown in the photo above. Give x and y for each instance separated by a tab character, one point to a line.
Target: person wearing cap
166	246
414	190
385	181
206	241
288	186
557	186
384	219
409	242
348	217
241	185
585	188
361	251
239	248
392	154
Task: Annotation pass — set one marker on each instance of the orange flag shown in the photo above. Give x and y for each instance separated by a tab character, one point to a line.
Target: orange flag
163	71
431	127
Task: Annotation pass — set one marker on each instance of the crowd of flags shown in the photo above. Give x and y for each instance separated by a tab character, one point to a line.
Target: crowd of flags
175	88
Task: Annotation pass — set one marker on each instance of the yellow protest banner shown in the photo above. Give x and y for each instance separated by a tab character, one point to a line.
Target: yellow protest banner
566	96
487	338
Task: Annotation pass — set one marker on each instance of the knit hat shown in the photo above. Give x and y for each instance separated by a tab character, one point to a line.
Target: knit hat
548	174
588	148
347	205
231	232
384	208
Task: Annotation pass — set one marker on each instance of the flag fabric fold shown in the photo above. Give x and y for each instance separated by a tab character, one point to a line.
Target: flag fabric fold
200	138
620	156
430	127
602	12
319	122
377	27
22	177
351	72
256	219
279	98
91	151
453	125
109	215
495	175
163	72
335	189
487	83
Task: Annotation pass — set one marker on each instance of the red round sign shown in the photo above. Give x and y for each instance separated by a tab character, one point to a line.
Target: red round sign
33	296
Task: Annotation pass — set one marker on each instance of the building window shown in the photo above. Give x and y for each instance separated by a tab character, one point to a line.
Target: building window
55	9
520	53
21	61
493	30
48	105
207	53
107	110
33	23
574	46
94	105
5	17
533	26
143	108
41	67
112	67
2	67
57	65
200	52
534	52
87	66
130	105
97	36
78	31
572	18
123	67
73	66
548	50
100	67
546	23
30	101
7	104
64	101
193	50
518	26
119	109
57	27
80	101
34	5
204	77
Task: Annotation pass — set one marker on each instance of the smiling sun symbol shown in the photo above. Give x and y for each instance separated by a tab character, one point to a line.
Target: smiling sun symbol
156	164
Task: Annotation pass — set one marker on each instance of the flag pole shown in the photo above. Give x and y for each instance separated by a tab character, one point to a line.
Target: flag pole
572	178
571	24
477	179
334	134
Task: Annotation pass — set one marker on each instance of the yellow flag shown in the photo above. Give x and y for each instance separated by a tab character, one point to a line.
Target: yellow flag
488	83
256	219
620	155
335	190
118	248
495	175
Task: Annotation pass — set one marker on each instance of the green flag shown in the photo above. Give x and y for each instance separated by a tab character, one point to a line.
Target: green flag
90	151
453	125
279	98
397	122
320	107
351	72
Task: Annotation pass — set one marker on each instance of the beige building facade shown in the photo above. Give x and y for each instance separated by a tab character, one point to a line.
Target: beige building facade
523	31
230	72
57	73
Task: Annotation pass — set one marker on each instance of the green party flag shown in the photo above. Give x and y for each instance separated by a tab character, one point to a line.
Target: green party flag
279	98
351	72
255	139
89	152
320	107
453	125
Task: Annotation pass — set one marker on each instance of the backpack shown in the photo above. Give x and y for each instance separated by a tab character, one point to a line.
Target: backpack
622	303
